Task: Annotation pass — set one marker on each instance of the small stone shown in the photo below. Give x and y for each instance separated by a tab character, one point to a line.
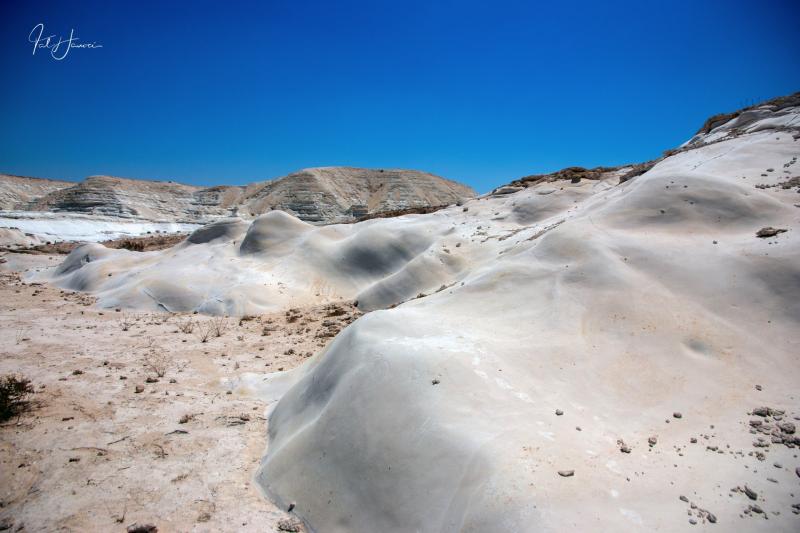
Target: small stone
762	411
756	509
291	507
291	525
559	412
435	382
758	387
138	389
712	518
693	440
769	231
677	415
624	448
142	528
652	441
683	498
750	493
692	521
566	473
787	427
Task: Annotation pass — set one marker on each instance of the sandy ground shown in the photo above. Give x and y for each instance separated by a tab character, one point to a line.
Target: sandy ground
92	454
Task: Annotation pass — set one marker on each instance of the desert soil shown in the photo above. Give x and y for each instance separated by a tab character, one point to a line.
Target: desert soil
93	454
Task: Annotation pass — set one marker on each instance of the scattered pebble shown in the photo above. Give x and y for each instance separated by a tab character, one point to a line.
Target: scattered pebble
142	528
769	231
290	525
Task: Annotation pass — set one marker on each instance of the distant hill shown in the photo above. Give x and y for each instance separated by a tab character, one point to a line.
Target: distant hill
316	195
17	192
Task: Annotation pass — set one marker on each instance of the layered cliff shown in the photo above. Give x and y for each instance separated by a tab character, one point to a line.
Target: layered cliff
317	195
17	192
340	194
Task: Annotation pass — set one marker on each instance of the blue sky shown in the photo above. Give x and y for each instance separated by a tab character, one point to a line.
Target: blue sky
481	92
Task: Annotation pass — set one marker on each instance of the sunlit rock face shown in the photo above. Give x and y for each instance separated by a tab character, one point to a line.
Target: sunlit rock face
570	353
317	195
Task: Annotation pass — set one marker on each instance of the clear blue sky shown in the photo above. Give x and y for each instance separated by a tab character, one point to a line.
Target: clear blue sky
482	92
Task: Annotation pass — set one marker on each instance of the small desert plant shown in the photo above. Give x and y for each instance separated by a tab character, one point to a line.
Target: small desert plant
203	331
155	360
246	318
186	326
14	391
126	321
134	246
335	310
219	325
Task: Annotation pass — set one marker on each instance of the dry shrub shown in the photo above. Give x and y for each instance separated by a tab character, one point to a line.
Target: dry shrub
155	359
335	310
187	326
246	318
219	325
126	321
14	391
203	331
132	245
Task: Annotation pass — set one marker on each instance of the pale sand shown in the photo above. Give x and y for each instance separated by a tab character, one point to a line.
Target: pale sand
129	465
